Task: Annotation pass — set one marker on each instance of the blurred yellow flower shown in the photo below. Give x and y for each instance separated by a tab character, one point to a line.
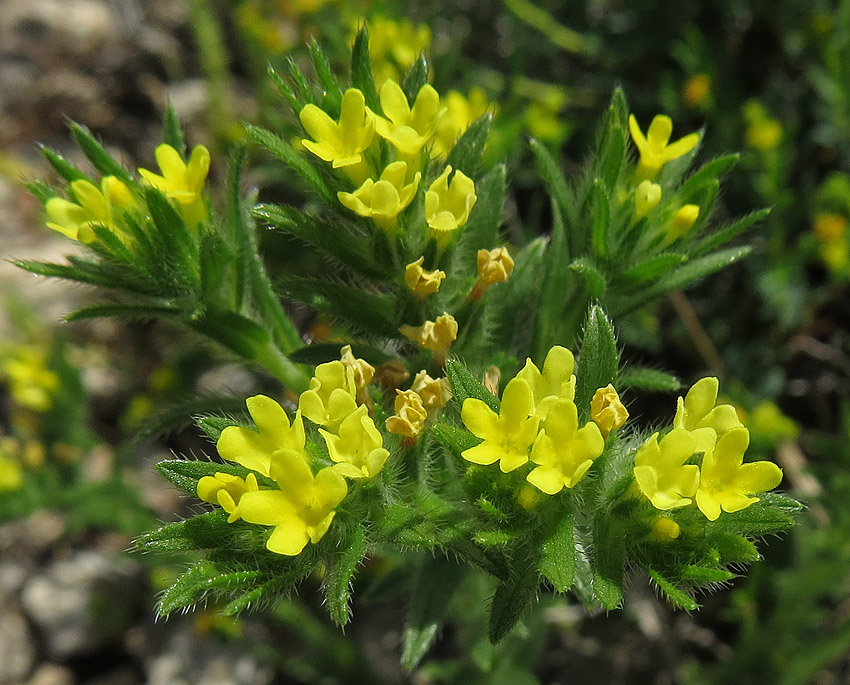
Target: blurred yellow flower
696	89
92	206
655	148
647	195
31	383
665	529
682	222
829	226
395	45
460	112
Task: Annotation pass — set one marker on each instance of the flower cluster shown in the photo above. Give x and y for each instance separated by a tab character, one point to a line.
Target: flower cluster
666	475
538	420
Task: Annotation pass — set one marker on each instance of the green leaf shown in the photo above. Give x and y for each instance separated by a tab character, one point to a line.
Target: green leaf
179	414
726	233
611	157
330	86
609	561
733	549
185	473
141	312
431	591
198	581
286	90
558	554
338	580
600	214
234	331
303	87
643	378
371	312
708	173
467	152
203	532
62	166
677	597
97	154
653	267
465	385
213	426
172	132
556	281
361	70
598	358
513	595
455	439
178	241
772	514
287	154
704	575
415	78
594	279
85	272
558	188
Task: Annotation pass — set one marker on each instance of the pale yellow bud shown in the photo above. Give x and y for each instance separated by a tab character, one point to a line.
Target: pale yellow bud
607	411
410	415
363	372
391	374
436	336
682	222
494	266
665	529
421	281
435	393
647	195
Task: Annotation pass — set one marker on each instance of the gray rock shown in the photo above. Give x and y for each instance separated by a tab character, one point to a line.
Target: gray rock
82	604
16	648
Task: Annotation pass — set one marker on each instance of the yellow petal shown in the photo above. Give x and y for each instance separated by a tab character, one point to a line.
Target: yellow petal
289	537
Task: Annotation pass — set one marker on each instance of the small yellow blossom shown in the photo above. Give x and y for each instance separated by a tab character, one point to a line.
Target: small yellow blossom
696	89
607	411
33	454
395	45
363	372
421	281
358	451
682	222
254	449
383	200
562	451
410	415
655	148
435	393
408	128
647	195
555	382
460	113
436	336
226	490
665	529
764	133
340	143
829	226
11	474
726	482
31	383
447	205
494	266
92	206
835	254
697	413
508	435
528	497
766	419
331	397
661	472
303	507
181	182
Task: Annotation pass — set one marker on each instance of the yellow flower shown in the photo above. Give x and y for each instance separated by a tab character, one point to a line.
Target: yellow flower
181	182
331	396
11	474
420	281
435	393
655	148
696	413
682	222
764	133
767	419
93	206
555	382
383	200
447	205
358	451
460	113
726	482
436	336
31	383
340	143
494	266
829	226
836	254
696	89
661	472
301	510
394	46
563	451
647	195
410	415
665	529
254	449
408	129
607	411
508	435
363	372
226	490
